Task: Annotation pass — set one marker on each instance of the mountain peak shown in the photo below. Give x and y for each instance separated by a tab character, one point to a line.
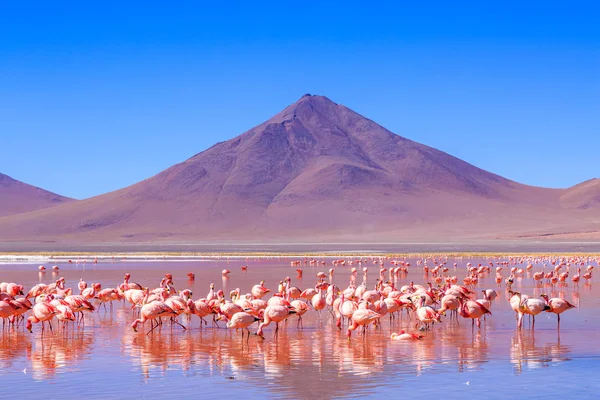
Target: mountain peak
18	197
308	107
316	168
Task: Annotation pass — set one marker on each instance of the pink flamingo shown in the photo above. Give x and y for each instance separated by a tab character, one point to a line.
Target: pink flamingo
108	296
362	317
152	311
90	292
81	285
300	307
79	304
557	306
242	320
7	310
426	314
576	277
406	336
42	312
475	310
274	314
318	300
258	291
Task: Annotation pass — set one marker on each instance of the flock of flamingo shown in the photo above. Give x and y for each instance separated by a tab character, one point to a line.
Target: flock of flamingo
352	307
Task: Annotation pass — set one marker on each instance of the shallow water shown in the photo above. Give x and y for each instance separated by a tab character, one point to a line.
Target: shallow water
107	359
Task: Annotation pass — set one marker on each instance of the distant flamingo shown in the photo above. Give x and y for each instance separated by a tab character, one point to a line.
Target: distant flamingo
576	277
81	285
587	276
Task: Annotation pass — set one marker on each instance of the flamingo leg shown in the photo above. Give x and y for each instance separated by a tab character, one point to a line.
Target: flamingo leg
154	327
177	322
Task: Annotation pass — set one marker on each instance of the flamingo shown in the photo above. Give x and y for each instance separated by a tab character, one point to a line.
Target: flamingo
42	312
576	277
7	309
242	320
273	314
81	285
362	317
152	311
473	309
426	314
406	336
258	291
200	308
318	300
108	296
79	304
300	307
557	305
529	306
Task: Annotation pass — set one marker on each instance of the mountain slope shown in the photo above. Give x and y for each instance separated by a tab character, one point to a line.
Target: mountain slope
317	170
17	197
583	196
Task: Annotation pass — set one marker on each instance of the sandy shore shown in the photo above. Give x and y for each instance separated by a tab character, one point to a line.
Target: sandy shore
241	249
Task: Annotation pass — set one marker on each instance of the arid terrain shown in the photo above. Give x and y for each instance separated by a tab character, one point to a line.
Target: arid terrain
17	197
317	172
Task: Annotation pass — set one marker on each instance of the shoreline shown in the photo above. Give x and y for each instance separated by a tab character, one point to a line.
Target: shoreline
198	250
89	257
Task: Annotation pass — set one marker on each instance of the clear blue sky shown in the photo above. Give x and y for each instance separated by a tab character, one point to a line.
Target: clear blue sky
95	96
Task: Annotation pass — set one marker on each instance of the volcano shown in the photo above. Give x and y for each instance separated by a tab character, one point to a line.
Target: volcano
316	171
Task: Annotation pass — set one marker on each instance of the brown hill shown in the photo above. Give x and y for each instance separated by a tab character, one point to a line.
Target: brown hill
315	171
583	196
17	197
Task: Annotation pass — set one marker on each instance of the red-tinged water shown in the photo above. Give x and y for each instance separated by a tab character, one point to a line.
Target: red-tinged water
107	359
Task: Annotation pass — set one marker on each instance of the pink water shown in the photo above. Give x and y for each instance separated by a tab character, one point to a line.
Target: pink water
107	359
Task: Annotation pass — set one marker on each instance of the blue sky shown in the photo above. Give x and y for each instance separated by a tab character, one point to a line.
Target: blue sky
95	97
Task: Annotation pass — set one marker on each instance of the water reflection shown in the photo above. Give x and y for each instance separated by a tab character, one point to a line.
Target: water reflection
317	361
53	353
13	347
525	352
